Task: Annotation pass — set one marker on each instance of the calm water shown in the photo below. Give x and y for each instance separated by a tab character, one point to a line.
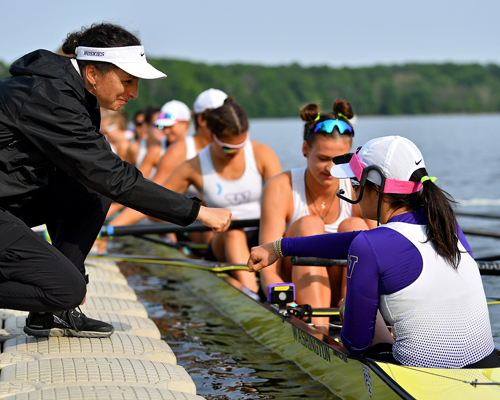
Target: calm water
225	363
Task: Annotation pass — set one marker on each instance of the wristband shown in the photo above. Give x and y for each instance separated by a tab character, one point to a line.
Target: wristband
277	248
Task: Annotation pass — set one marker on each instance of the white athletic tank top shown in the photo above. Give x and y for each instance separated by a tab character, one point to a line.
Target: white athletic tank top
191	153
164	145
300	202
242	196
143	149
190	147
444	306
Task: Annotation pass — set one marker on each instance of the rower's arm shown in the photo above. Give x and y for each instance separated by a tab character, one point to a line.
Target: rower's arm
188	173
273	218
150	160
173	157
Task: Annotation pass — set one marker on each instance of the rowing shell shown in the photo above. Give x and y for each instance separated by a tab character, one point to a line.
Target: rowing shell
322	357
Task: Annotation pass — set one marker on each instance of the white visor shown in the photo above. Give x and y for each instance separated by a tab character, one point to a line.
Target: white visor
342	171
131	59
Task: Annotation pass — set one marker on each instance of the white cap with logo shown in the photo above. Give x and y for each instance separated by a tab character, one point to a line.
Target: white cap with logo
397	156
131	59
173	112
209	99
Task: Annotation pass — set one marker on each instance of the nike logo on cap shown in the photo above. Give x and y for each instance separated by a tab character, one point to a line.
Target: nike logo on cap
142	54
416	163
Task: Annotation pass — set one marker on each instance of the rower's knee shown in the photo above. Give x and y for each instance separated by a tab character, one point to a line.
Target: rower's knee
353	224
307	226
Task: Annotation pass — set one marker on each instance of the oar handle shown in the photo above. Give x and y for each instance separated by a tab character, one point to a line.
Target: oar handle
165	227
317	262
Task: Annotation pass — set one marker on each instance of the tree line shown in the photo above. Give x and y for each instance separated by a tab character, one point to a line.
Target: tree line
280	91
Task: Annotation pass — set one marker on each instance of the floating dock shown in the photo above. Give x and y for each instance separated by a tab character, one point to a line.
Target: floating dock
134	363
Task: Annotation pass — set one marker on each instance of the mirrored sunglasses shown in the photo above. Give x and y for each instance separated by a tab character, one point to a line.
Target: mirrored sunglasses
329	125
230	148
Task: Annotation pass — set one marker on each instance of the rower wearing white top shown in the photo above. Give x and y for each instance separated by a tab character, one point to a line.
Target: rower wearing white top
230	172
302	202
114	126
138	149
179	152
173	120
191	146
414	272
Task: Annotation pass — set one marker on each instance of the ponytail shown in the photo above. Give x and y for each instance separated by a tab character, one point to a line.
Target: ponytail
441	228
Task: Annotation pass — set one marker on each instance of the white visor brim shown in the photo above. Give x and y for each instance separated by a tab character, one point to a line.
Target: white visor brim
165	122
342	171
131	59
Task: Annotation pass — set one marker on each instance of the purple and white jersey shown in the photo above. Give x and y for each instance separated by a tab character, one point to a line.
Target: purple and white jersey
439	314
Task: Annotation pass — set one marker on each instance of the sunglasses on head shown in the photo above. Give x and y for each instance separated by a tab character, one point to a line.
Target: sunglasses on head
230	148
329	125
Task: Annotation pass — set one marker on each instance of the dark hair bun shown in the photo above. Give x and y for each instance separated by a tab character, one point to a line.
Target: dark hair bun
229	99
343	107
309	112
71	43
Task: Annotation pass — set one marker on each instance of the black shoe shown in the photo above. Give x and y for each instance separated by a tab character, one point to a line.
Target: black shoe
71	323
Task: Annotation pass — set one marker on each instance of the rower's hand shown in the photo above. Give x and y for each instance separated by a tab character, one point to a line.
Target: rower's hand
261	256
218	219
101	244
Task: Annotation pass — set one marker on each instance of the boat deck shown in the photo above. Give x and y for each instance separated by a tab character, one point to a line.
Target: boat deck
134	363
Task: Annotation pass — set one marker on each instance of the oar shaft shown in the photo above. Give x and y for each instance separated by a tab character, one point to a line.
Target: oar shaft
481	232
466	214
485	267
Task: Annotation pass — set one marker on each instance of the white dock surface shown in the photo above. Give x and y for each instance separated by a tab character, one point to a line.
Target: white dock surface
134	363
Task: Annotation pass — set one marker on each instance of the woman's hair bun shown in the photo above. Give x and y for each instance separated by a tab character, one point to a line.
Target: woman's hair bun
229	99
309	112
343	107
71	43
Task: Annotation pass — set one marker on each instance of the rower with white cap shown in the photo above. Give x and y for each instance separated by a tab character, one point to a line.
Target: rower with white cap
57	169
171	123
415	272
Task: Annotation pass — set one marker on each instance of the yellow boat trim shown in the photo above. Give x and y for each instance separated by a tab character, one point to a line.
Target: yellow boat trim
443	384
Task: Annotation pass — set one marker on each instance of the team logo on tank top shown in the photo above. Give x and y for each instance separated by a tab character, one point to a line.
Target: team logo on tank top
238	197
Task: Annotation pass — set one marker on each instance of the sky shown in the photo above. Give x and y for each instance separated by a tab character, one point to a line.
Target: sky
271	32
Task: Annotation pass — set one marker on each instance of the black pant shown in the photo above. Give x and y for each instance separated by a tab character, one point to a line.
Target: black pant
37	276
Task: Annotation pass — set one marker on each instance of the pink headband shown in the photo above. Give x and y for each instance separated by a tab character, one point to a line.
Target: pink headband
391	185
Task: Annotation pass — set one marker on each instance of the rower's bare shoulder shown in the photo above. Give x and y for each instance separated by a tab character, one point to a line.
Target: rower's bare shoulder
262	151
280	184
177	147
176	152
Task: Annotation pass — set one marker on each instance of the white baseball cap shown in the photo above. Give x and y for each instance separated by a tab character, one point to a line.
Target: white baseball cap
209	99
173	112
131	59
396	156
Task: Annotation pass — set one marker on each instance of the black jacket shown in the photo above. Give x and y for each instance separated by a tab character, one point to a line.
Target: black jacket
49	121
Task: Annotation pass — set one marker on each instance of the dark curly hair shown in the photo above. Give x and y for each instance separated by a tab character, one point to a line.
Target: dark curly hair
99	35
